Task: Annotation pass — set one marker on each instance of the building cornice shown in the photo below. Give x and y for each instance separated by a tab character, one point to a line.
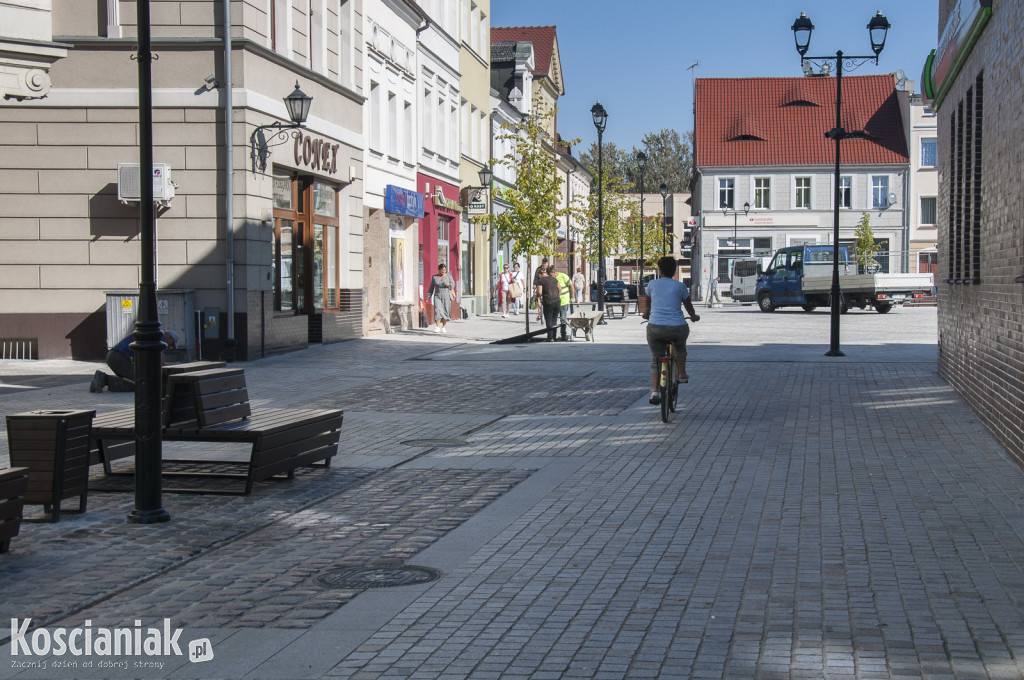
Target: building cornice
241	44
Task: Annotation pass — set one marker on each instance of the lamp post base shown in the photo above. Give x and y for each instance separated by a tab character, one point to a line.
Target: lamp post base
149	516
834	353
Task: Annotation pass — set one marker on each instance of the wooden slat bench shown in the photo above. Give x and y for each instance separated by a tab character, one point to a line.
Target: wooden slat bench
213	406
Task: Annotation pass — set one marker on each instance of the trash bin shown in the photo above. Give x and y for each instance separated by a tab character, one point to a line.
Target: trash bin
12	497
54	446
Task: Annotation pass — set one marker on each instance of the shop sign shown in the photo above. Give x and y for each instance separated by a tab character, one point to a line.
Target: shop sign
963	28
475	200
440	201
402	201
316	153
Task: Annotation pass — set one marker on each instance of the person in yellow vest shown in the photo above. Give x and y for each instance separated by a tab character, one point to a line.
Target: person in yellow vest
568	291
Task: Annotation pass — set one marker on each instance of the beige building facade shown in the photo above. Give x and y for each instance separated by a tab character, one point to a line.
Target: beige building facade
474	117
270	265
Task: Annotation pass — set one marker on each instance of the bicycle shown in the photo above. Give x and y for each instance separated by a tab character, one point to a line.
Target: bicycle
668	380
668	383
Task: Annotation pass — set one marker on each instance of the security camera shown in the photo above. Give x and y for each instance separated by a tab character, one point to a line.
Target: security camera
211	80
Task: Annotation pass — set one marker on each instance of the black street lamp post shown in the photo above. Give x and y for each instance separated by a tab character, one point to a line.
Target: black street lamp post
735	215
148	343
486	175
600	122
664	217
878	27
641	162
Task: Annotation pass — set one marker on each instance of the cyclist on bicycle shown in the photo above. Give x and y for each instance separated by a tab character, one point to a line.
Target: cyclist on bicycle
667	321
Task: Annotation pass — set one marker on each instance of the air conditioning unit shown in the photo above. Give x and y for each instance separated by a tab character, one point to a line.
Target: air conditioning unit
129	183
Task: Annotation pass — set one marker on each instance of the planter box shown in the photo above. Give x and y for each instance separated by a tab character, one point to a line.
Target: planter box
13	483
54	446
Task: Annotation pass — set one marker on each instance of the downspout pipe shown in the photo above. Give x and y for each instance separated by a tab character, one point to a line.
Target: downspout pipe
229	187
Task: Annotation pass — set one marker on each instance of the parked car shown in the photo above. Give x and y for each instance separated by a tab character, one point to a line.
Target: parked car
618	291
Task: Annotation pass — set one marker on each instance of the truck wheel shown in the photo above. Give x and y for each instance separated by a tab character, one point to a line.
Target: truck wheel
810	307
883	307
765	303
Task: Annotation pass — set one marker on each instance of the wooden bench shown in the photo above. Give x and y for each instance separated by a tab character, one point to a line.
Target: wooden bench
13	484
612	307
174	369
213	406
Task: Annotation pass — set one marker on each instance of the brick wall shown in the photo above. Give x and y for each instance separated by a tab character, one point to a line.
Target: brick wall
981	325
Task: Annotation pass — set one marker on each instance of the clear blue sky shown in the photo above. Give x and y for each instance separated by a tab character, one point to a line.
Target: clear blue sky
633	55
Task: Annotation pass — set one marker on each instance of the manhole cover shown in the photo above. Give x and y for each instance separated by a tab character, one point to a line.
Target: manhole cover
435	443
377	577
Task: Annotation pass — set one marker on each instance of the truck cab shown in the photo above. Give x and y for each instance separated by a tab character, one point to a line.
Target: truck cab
781	283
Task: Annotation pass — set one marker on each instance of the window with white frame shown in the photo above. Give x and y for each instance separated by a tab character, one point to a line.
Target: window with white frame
442	127
929	152
880	191
453	124
375	117
802	197
410	155
471	130
929	211
726	192
316	35
392	125
443	231
428	118
465	125
763	193
846	191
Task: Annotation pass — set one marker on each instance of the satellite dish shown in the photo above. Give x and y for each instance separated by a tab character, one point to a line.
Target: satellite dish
892	198
901	78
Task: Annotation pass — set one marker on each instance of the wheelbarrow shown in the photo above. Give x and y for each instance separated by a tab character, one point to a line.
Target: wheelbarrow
584	321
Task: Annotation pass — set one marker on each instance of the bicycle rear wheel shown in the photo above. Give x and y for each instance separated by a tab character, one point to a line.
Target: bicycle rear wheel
667	365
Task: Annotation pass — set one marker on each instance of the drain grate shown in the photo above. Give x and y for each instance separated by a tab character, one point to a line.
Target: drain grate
435	443
357	578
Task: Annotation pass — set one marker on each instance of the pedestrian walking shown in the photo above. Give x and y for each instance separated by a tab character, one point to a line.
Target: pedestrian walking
121	360
518	288
505	290
441	292
536	282
714	290
579	285
565	299
549	295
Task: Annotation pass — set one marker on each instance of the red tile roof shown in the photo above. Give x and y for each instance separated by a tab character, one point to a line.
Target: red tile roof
783	121
542	37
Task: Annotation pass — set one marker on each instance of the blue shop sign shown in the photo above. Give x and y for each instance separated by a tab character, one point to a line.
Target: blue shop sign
403	202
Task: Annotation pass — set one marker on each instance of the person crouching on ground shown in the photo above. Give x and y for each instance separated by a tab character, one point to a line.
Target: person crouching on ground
121	360
667	321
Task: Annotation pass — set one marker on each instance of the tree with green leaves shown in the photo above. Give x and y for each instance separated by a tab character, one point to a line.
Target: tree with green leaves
669	160
530	225
864	244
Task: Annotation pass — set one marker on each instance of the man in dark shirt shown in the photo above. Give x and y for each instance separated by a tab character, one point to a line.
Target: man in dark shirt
121	360
549	294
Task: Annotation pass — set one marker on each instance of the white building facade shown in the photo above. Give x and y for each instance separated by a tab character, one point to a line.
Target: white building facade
391	203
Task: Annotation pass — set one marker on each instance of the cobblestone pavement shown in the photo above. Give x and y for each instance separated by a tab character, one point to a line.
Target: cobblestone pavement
800	517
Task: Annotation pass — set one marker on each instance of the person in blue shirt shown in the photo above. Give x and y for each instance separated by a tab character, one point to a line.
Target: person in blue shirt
667	321
121	360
